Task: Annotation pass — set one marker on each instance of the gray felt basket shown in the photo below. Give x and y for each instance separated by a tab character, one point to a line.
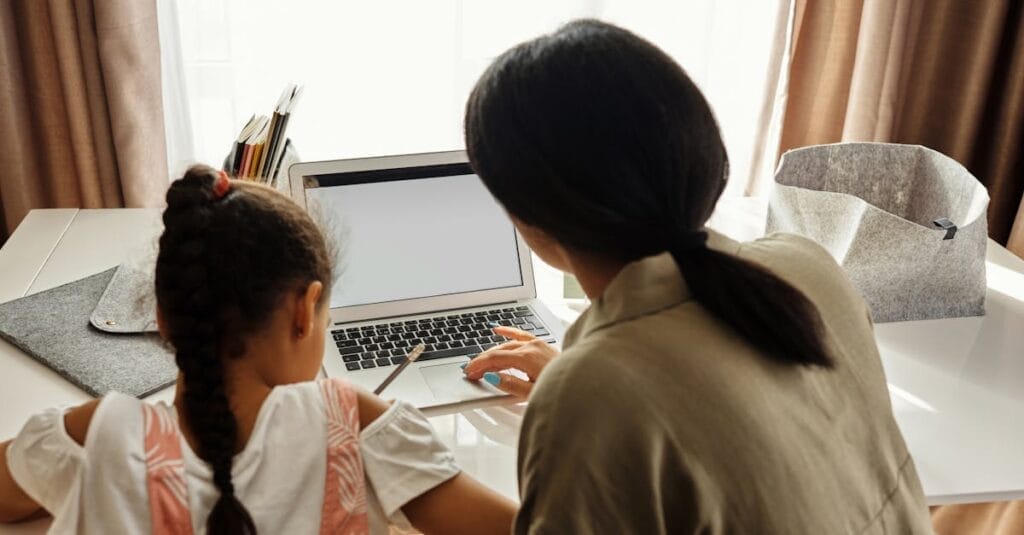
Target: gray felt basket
907	223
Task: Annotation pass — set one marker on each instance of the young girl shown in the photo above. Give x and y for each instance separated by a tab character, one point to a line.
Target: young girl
250	444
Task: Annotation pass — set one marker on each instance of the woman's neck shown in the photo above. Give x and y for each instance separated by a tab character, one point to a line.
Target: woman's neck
594	273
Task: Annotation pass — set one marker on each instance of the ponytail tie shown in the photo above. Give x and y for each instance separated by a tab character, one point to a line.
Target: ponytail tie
221	186
691	241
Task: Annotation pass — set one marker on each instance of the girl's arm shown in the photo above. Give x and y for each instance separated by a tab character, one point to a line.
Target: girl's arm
459	505
15	505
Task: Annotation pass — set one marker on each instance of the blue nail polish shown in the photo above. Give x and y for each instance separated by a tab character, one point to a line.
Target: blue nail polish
463	365
493	325
492	378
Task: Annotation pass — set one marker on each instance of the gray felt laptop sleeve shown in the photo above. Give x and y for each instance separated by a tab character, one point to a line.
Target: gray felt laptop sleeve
98	332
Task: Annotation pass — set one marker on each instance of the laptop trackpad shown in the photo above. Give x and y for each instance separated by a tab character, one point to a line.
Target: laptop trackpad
449	384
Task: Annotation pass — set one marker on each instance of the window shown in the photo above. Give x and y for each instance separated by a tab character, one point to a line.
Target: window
390	77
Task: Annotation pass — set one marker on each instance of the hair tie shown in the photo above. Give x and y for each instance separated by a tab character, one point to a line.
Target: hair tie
690	241
221	186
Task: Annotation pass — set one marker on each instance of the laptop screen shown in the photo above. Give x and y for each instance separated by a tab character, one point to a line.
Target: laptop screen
414	232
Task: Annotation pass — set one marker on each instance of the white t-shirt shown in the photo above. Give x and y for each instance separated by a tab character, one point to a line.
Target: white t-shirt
279	476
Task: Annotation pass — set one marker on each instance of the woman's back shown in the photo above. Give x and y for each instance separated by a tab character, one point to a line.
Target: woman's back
658	418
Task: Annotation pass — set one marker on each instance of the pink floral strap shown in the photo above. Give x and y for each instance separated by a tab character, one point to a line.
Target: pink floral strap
344	509
165	474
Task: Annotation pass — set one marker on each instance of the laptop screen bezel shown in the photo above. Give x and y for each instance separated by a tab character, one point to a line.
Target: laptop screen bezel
298	174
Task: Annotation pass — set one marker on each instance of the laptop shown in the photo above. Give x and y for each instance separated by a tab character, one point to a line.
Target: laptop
425	255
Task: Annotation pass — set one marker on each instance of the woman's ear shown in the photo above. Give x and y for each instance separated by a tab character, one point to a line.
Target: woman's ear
306	307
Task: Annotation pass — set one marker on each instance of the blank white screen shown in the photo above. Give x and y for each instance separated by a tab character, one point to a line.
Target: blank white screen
407	239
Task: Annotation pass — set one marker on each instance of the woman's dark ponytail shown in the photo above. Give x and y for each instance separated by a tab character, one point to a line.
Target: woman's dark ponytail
598	138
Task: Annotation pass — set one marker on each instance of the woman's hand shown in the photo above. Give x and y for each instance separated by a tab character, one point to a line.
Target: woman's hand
525	352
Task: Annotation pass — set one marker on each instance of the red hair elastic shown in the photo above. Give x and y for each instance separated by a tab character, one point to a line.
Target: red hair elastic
221	186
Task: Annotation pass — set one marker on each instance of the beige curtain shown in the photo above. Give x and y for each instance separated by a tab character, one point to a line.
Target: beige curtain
81	117
947	74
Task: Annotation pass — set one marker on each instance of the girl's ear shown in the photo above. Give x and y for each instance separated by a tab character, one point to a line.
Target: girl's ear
305	311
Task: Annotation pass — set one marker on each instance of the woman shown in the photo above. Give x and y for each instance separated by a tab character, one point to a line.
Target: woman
713	386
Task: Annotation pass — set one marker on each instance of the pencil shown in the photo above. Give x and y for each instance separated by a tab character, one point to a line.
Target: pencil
409	359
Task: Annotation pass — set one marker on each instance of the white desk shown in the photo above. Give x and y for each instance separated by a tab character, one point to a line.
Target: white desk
957	385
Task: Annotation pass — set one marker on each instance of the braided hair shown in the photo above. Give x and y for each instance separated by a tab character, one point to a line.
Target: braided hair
226	260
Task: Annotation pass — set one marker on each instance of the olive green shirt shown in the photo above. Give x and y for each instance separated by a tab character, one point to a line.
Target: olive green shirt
659	418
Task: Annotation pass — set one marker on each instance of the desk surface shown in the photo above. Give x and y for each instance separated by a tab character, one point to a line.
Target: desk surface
957	385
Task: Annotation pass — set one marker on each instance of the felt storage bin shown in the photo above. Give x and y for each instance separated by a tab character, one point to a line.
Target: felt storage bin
906	223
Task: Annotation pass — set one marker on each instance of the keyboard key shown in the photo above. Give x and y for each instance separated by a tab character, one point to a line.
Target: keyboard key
372	347
352	366
466	315
465	328
408	335
441	345
430	340
480	313
397	330
394	337
350	358
541	333
387	345
384	332
367	364
444	353
349	350
345	343
395	324
383	362
410	322
444	338
338	335
383	353
523	313
493	317
487	346
522	308
466	321
369	355
509	309
424	320
455	343
505	316
379	339
518	321
397	360
459	336
450	330
364	341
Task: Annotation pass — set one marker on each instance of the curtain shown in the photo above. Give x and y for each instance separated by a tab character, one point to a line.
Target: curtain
946	74
81	113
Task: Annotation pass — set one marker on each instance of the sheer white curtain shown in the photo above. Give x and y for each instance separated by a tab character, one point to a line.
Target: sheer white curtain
388	77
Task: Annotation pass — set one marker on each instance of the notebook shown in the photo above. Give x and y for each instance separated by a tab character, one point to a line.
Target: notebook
98	332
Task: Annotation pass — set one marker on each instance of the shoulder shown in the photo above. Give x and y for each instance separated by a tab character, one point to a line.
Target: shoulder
806	265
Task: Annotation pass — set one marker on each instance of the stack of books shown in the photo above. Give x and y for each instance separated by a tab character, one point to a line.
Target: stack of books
261	145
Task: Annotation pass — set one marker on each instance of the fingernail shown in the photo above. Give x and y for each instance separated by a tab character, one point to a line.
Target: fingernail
493	325
463	366
492	378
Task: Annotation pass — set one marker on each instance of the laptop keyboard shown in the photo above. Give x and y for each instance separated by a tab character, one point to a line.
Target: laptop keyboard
454	335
